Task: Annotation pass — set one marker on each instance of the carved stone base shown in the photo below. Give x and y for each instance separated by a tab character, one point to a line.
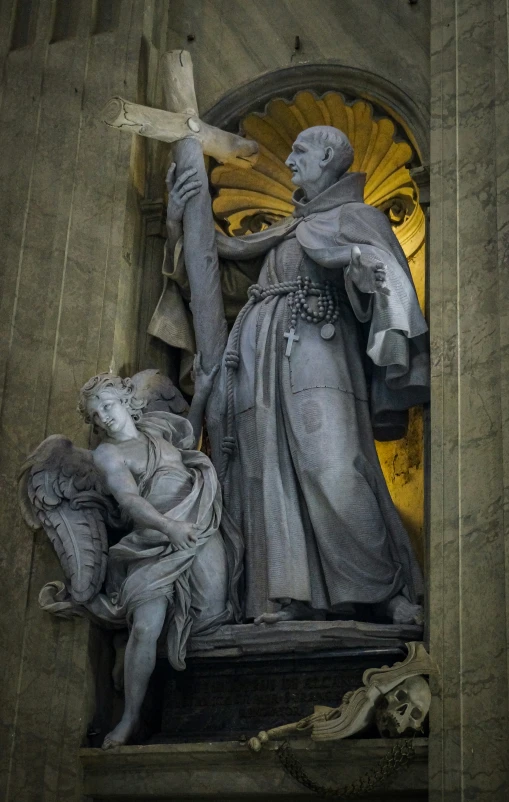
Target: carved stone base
233	698
229	772
251	678
245	678
302	636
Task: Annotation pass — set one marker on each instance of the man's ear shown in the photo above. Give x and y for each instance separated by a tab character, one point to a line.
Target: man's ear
328	156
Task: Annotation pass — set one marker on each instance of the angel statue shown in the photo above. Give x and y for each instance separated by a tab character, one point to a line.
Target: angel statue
176	566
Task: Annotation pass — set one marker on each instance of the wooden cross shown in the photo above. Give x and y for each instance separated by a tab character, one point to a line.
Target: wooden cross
181	125
292	338
182	119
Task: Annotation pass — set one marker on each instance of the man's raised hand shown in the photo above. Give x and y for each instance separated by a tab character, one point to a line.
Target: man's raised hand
368	276
180	190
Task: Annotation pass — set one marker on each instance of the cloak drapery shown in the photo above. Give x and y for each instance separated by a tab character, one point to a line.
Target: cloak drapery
327	228
144	565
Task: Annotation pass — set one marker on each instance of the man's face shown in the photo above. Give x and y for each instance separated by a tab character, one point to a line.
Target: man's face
305	161
108	413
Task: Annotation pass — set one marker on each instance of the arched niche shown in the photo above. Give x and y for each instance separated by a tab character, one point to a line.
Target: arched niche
321	78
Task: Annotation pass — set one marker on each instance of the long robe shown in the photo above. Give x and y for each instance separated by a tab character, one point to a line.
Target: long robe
304	482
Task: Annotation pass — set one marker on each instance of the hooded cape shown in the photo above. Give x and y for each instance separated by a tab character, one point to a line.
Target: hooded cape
395	331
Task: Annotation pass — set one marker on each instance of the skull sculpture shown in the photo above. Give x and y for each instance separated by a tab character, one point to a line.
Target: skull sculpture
403	710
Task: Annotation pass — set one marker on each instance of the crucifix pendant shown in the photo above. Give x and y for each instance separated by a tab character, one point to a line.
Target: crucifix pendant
291	337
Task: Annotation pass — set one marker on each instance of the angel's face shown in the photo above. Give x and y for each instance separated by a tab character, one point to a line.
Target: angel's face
107	411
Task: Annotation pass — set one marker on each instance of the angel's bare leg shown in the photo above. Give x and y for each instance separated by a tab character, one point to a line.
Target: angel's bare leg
140	659
119	645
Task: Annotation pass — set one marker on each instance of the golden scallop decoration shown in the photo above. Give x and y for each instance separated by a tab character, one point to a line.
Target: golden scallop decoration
251	199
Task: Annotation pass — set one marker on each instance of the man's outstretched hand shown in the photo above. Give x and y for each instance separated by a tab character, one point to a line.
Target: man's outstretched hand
368	276
180	191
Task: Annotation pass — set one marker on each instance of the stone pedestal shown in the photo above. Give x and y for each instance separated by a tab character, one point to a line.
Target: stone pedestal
227	699
229	772
303	637
469	303
246	678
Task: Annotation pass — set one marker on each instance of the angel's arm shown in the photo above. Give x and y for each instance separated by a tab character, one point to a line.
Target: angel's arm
123	487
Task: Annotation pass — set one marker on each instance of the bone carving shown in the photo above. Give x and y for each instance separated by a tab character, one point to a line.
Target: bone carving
358	708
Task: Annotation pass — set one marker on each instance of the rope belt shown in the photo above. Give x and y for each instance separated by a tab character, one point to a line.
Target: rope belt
299	292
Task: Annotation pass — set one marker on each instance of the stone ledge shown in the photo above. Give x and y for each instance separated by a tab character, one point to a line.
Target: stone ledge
301	636
229	771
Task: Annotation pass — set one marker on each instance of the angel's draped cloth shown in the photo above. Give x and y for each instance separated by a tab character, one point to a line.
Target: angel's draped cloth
144	565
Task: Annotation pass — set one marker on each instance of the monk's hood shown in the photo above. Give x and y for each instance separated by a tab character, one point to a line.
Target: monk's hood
349	189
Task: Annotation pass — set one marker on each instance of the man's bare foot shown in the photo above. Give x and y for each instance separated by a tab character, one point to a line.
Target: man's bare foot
295	611
120	735
404	612
274	618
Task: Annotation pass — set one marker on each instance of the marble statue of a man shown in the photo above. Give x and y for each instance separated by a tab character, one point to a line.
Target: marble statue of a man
330	349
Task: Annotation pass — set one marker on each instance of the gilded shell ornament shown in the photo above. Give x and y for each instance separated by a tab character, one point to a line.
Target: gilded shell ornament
249	200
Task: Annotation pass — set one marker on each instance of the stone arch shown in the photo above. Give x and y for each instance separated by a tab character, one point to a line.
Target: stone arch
253	96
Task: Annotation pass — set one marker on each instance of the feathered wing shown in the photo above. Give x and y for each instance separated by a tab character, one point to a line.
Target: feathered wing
158	393
61	491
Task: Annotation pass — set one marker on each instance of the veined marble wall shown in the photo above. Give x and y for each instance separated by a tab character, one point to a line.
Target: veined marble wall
236	41
469	305
69	297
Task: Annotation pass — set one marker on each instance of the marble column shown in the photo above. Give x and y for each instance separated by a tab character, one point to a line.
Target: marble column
469	303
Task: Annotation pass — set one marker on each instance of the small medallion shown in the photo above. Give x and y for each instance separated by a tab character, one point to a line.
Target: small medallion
328	331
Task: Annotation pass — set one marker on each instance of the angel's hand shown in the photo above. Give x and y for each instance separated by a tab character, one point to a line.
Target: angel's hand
182	534
203	382
368	277
180	190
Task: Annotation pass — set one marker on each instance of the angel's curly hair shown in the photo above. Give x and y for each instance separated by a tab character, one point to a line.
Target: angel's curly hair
123	388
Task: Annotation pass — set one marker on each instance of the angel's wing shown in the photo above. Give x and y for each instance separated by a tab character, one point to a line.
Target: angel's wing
159	393
61	490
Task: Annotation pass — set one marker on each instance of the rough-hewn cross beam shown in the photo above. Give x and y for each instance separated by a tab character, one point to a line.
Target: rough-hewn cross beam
181	121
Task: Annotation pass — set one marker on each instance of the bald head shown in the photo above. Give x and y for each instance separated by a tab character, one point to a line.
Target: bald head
329	137
320	156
